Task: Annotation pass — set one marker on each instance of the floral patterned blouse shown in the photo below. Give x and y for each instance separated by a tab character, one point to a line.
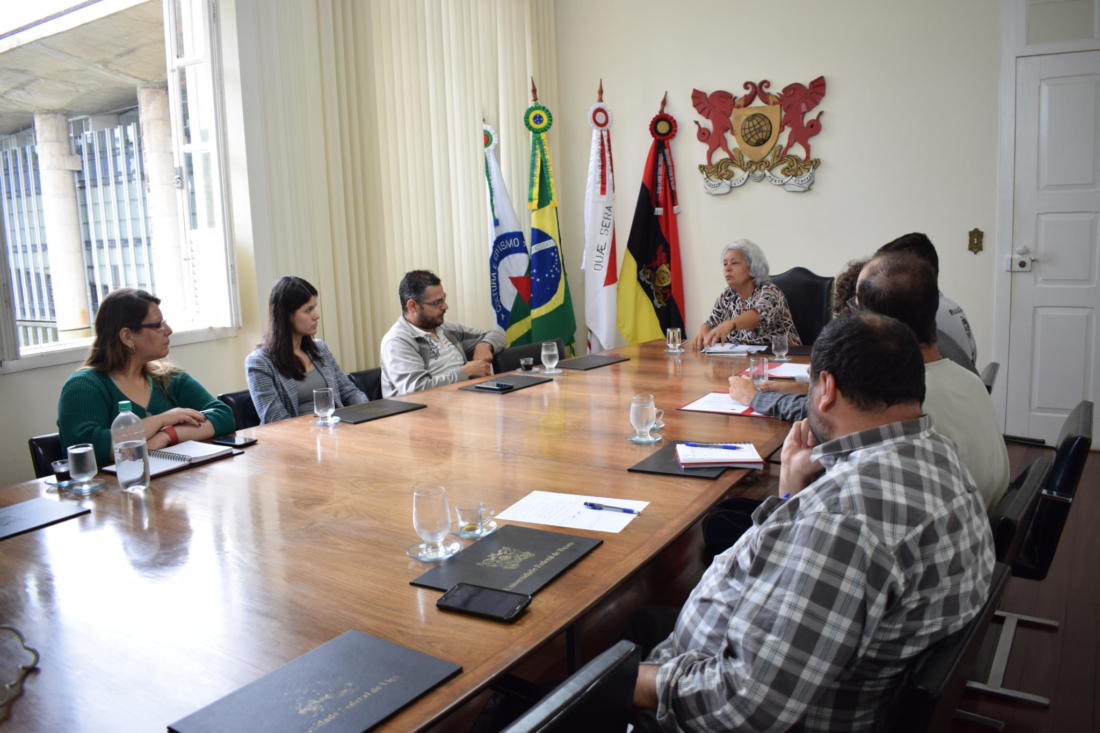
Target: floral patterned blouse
769	302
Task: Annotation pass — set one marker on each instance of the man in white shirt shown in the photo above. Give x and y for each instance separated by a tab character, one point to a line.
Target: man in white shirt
421	350
950	319
903	286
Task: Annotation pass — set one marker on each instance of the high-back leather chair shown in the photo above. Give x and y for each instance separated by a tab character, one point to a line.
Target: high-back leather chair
598	696
244	412
1033	554
809	297
1071	451
369	381
1012	514
45	449
989	375
928	697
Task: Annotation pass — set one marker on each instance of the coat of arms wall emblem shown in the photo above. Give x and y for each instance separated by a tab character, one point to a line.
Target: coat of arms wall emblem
766	134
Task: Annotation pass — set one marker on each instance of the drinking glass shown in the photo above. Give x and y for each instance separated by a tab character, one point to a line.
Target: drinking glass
643	413
432	521
758	370
474	519
674	340
82	469
550	358
323	406
780	346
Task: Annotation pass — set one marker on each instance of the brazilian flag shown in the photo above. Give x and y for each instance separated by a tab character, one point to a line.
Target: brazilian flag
551	305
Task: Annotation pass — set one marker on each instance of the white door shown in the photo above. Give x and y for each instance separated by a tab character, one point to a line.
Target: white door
1054	346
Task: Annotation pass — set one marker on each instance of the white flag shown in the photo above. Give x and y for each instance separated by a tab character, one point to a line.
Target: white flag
601	262
508	258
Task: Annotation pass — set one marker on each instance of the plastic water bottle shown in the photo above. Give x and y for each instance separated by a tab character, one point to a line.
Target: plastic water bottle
131	449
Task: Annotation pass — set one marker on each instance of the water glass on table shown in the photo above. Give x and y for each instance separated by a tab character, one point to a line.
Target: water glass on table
758	370
550	358
674	340
324	404
432	521
82	469
780	346
643	415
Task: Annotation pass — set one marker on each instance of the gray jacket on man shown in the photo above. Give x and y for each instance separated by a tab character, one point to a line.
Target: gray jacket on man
411	360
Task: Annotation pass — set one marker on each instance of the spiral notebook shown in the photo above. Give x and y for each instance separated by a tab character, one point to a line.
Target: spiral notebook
182	455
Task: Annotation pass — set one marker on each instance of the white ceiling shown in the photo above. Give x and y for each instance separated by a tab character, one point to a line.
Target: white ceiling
92	68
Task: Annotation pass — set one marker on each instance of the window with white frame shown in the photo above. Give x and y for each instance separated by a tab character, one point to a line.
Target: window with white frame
127	192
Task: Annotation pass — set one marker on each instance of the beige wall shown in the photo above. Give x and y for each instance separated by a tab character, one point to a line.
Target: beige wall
908	141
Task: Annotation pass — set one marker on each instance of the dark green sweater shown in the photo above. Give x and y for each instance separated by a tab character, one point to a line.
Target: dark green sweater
89	402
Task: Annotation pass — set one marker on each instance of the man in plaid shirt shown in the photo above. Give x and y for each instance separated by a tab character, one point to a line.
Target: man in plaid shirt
883	548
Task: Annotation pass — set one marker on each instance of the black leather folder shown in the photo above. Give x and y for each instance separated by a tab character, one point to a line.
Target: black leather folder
365	411
591	361
518	559
347	685
34	513
665	461
518	382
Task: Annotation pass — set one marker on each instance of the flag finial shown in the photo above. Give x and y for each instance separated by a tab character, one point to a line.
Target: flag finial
664	101
599	93
534	91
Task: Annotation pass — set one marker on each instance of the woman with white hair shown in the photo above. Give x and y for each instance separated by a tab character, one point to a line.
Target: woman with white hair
751	309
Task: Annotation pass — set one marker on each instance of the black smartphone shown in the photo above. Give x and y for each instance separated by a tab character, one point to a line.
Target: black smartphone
499	605
233	440
494	386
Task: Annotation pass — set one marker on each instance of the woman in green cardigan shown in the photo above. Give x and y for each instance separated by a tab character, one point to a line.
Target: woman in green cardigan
131	339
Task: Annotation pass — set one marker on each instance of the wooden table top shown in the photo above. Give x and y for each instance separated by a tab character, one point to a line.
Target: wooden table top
153	606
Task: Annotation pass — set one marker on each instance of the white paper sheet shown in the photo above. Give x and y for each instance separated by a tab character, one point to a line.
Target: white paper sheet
790	370
568	510
720	402
733	349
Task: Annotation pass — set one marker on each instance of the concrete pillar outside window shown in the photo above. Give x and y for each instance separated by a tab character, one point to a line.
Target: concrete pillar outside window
56	163
162	198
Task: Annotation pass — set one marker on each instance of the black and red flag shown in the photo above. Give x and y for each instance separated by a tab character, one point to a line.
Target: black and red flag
651	286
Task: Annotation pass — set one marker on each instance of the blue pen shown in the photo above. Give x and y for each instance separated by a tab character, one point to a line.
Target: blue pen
609	508
723	446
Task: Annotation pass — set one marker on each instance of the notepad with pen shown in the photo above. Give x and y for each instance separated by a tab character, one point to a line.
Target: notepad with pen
718	454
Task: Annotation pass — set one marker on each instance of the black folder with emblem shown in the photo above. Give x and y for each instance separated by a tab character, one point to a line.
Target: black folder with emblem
374	409
591	361
517	559
347	685
517	382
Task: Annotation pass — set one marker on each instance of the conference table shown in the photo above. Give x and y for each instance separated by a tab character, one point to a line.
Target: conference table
152	606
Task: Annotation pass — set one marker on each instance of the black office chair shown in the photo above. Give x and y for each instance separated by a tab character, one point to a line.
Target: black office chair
1041	543
598	696
369	381
989	375
929	695
1034	553
508	359
1012	515
45	449
809	297
244	412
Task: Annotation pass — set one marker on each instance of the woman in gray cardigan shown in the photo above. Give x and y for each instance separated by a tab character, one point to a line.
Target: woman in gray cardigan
284	370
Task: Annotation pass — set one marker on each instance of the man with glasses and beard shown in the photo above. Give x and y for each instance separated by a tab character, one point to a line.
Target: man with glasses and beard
421	350
879	547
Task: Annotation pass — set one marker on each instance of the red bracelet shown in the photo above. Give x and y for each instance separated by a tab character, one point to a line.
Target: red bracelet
170	431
